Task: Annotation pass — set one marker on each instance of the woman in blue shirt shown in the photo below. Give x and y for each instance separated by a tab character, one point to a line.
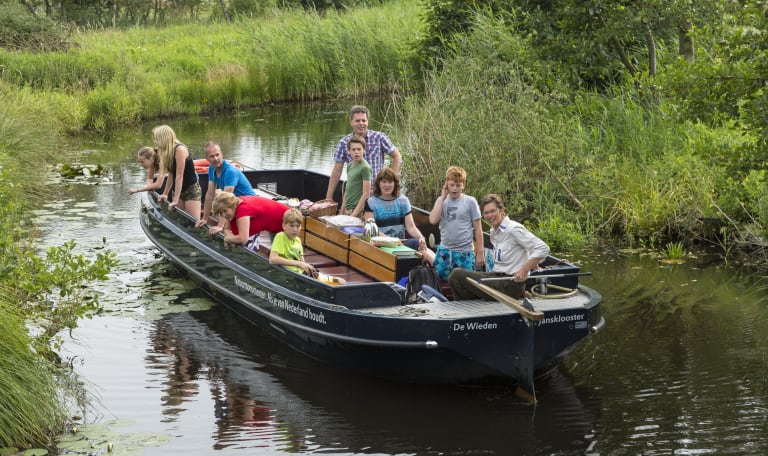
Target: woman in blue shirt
392	212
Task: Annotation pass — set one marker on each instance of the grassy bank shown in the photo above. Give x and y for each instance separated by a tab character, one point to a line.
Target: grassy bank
41	293
118	77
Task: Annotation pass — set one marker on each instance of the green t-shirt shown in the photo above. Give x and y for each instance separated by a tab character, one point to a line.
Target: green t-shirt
290	249
356	174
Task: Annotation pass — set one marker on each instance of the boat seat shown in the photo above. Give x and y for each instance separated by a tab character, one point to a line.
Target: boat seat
346	273
318	260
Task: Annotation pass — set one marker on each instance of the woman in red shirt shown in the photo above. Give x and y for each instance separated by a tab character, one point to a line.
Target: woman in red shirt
248	216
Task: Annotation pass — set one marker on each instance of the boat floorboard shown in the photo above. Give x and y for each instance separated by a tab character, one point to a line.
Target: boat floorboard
475	308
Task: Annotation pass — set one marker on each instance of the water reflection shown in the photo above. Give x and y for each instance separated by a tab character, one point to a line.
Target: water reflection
685	353
264	395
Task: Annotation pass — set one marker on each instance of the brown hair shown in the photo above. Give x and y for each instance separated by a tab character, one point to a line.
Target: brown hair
150	153
358	109
292	215
456	173
356	139
492	198
386	173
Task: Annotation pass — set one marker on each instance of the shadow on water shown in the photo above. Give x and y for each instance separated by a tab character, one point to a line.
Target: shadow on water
261	384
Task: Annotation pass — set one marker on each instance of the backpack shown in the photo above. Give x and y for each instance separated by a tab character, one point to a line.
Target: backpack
418	276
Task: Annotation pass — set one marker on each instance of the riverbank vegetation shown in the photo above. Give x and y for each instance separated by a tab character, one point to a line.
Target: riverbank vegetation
639	124
41	293
117	77
600	121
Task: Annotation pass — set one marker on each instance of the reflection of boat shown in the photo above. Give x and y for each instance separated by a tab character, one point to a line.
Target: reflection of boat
364	324
302	404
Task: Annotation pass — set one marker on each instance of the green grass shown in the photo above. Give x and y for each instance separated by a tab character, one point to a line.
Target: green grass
118	77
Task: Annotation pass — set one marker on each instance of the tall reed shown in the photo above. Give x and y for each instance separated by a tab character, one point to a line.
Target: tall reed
123	76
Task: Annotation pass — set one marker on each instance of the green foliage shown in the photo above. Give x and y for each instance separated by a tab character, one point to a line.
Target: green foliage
674	251
481	116
122	77
39	295
21	30
29	410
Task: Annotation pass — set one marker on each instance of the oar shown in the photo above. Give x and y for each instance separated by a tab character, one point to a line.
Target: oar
531	314
536	276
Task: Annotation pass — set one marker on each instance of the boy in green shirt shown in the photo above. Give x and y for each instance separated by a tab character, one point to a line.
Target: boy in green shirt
358	186
286	247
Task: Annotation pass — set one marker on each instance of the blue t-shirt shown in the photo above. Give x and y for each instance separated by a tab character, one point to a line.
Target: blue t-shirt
231	176
389	214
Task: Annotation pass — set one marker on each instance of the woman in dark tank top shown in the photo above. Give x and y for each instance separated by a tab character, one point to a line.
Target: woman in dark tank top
177	163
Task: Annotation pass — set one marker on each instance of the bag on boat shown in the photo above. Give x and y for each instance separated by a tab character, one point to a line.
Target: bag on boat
420	275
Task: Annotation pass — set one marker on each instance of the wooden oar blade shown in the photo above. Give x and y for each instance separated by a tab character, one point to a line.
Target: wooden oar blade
508	300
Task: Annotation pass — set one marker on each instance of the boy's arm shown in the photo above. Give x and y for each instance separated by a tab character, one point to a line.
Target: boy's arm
358	212
437	210
479	244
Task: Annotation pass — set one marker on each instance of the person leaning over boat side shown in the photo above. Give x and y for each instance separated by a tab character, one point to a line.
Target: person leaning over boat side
358	186
222	175
286	247
176	163
377	145
516	252
248	216
461	233
149	160
393	215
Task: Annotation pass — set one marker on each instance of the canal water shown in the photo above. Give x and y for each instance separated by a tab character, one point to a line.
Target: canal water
680	367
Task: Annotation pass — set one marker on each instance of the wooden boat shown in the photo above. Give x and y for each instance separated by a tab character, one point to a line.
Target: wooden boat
365	324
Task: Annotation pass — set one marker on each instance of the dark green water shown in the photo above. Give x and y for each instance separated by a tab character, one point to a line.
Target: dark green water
680	367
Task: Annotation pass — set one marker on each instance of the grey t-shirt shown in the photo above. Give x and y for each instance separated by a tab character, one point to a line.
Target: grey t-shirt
456	230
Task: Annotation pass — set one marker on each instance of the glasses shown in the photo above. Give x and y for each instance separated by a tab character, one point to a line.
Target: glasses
490	212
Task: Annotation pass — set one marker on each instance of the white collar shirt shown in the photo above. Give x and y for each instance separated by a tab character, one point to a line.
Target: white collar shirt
513	245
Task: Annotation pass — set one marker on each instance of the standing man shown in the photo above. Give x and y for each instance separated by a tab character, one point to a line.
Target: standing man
222	175
377	145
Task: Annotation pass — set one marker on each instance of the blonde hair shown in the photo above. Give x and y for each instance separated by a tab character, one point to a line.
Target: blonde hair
165	140
149	153
223	201
457	174
292	215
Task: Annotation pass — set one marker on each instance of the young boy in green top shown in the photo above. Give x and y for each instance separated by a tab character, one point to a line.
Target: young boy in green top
286	247
358	186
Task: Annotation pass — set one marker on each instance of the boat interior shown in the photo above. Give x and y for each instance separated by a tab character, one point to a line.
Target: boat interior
346	256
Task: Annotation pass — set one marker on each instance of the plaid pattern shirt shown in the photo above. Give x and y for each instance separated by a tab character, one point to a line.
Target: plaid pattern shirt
377	145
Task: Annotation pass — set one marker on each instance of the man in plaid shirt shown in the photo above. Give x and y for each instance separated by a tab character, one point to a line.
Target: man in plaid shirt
377	145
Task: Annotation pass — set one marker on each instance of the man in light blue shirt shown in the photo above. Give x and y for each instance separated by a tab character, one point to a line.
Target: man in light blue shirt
222	175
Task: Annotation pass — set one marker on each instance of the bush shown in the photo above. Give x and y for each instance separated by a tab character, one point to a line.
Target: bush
20	30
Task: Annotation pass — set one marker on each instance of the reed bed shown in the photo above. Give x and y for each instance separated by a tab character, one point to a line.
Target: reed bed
119	77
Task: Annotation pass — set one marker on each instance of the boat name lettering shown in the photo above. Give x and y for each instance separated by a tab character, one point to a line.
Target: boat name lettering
474	326
561	319
281	302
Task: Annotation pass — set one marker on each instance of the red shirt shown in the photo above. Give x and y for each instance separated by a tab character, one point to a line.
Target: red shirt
265	214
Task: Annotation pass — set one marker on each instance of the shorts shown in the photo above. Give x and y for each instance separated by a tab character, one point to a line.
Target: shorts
447	260
253	243
193	192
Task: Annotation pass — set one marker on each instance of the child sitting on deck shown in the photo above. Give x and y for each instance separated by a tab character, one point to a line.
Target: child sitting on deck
286	247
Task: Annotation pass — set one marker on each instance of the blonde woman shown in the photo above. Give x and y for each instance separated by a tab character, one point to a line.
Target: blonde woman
176	163
248	216
150	161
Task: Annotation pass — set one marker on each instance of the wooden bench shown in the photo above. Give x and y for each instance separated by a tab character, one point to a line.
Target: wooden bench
377	263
